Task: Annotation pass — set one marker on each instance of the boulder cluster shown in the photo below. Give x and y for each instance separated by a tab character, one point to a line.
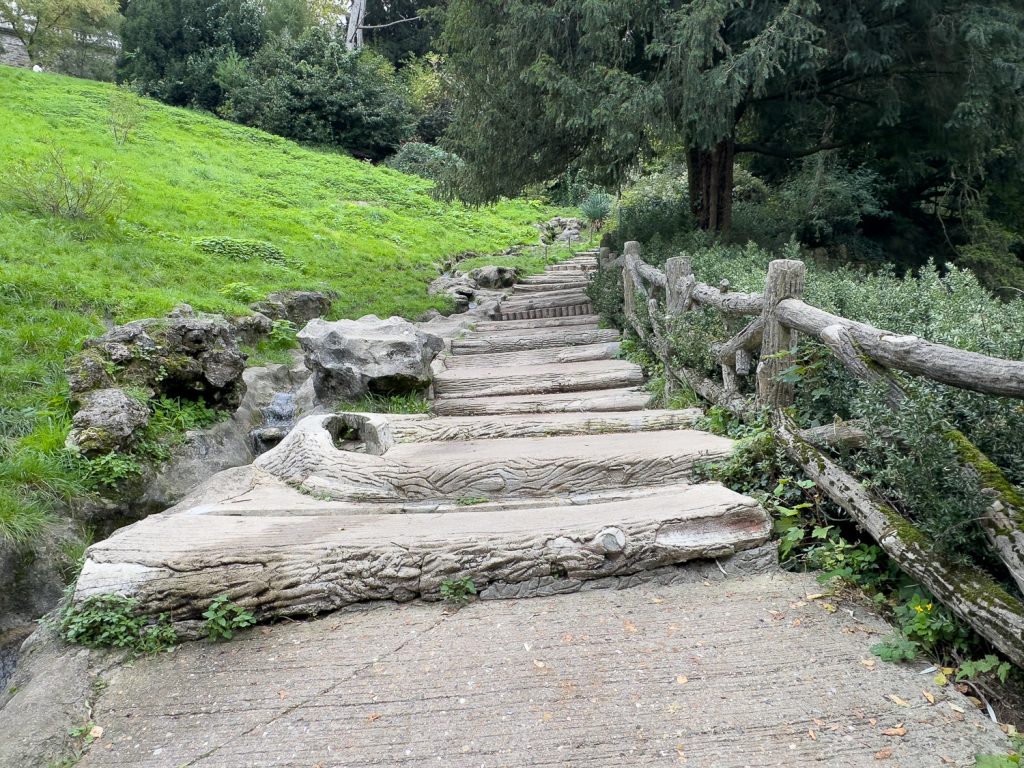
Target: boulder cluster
560	230
463	287
187	354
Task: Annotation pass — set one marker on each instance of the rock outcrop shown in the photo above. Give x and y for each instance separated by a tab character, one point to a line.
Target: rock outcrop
298	307
461	288
351	358
494	278
106	421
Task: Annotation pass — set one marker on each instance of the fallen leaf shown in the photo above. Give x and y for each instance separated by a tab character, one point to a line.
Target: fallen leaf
818	722
829	607
898	701
539	664
948	760
813	735
657	600
547	717
883	754
947	671
940	679
629	626
869	663
96	732
682	679
282	694
374	717
955	708
899	730
818	595
929	697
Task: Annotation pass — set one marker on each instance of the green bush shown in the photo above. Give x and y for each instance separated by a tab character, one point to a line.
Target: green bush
657	205
312	89
51	185
605	293
424	160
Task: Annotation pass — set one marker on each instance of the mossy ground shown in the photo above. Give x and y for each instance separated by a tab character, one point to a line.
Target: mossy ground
372	235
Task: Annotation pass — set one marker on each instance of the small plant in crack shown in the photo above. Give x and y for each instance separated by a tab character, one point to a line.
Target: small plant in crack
224	618
458	591
469	501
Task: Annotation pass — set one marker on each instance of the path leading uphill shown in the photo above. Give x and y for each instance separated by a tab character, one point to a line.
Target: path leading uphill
662	633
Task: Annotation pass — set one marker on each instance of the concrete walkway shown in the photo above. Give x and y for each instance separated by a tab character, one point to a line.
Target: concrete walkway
743	672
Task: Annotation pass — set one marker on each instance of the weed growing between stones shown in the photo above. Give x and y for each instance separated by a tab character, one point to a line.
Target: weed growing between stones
113	621
458	591
371	403
224	618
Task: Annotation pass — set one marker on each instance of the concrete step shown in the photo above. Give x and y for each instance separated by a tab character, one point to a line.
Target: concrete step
574	310
422	428
552	279
596	401
560	298
539	338
519	325
537	379
280	565
582	353
533	288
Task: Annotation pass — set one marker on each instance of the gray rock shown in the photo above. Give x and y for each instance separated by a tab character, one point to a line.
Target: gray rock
183	355
495	277
106	421
249	329
460	287
350	358
298	307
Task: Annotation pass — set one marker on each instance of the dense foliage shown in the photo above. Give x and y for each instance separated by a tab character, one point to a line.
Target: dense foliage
311	89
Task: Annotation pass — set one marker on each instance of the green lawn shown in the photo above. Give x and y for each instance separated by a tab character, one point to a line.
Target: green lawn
371	234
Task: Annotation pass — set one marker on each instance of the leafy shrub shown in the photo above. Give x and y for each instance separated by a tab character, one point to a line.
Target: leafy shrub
596	208
312	89
605	293
655	205
424	160
52	186
224	618
243	293
127	111
110	470
241	250
112	621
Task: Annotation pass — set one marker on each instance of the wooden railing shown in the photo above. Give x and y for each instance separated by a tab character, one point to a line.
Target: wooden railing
777	317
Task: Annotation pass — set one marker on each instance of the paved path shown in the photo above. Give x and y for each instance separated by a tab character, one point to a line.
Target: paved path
743	672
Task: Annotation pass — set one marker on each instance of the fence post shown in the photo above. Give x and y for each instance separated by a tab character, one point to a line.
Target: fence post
680	280
785	281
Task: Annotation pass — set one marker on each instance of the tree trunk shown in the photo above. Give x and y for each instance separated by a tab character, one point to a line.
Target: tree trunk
354	31
709	173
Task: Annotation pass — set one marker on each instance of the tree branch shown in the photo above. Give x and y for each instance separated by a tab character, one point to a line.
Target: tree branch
390	23
764	149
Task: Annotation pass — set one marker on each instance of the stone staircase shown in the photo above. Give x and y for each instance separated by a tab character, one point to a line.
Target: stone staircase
542	470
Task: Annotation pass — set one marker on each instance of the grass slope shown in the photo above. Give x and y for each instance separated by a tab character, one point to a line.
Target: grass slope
371	234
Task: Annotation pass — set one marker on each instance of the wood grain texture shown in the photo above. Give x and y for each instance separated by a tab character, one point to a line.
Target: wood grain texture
537	379
542	339
598	401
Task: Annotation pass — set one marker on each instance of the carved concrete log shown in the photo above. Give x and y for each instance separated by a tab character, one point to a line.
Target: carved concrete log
598	401
744	362
521	325
651	275
537	379
967	370
971	594
680	284
565	298
544	288
578	354
307	458
423	429
839	341
300	565
747	340
728	303
499	342
843	435
785	280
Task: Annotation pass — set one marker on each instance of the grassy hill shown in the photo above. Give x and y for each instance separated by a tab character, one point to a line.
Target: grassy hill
368	233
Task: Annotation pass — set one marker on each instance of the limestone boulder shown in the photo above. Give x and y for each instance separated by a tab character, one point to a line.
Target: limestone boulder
351	358
185	354
495	278
107	420
298	307
460	287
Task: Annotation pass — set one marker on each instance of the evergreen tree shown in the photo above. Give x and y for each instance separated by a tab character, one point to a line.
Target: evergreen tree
926	87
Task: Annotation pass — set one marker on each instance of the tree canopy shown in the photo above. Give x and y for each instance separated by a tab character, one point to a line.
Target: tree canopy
926	88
